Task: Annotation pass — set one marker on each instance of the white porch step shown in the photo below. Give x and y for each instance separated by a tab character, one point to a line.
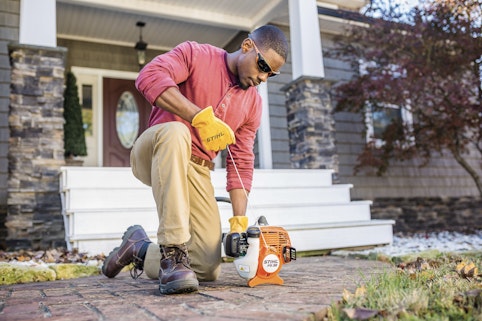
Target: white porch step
275	178
285	195
292	214
341	235
105	222
99	204
98	177
304	238
108	198
121	177
111	221
138	197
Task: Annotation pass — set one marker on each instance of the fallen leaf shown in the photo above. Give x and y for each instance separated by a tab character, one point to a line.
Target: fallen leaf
467	270
473	293
360	291
347	295
48	257
22	258
360	313
420	264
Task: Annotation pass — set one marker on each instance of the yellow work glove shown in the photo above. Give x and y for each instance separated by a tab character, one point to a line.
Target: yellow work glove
238	224
215	134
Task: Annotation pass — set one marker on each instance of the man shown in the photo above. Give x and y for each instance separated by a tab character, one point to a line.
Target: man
203	99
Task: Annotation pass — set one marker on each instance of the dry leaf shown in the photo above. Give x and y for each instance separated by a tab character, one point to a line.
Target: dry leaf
360	313
22	258
420	264
48	257
359	292
347	295
473	293
467	270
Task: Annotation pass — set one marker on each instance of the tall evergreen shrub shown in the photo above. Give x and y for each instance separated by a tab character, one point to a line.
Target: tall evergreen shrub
74	135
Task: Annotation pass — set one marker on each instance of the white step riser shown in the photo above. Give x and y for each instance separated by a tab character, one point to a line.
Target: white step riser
281	178
110	222
109	198
100	177
83	177
93	222
143	198
343	237
281	216
308	240
285	196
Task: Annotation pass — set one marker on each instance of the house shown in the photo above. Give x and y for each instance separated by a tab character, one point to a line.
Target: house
42	39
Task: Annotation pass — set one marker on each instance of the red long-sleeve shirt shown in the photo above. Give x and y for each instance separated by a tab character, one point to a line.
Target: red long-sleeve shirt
201	73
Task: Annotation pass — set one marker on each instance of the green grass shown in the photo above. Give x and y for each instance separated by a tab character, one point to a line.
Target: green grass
435	291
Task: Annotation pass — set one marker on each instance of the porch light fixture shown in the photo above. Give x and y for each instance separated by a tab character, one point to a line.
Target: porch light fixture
141	46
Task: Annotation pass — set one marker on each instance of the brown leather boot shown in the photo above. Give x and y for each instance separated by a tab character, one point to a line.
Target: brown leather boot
132	250
175	274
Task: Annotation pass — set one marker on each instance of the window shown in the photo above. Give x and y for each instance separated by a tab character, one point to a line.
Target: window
127	119
377	120
87	109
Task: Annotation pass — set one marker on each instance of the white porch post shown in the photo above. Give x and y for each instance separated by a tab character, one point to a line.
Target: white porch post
306	55
38	25
264	132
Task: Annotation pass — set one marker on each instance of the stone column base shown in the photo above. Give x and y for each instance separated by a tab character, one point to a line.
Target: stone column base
36	147
311	125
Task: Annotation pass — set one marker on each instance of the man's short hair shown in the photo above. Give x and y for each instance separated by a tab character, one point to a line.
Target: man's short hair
269	36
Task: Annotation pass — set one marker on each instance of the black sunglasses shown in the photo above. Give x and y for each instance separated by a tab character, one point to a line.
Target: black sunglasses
263	65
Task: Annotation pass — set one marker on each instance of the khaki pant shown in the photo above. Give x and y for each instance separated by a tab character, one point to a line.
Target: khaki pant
184	196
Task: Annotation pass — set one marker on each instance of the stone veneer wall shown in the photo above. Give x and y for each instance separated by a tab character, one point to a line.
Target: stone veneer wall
424	214
9	32
36	148
311	125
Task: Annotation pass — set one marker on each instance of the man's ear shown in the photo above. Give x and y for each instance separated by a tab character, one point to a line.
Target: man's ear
246	45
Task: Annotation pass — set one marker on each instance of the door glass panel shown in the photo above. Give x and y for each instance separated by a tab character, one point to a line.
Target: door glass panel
127	119
87	109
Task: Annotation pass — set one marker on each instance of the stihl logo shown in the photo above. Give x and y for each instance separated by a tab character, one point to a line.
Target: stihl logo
271	263
210	139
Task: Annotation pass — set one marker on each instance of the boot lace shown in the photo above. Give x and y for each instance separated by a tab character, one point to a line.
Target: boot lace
179	254
137	267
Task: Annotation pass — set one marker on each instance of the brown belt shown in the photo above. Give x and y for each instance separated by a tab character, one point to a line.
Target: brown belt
202	162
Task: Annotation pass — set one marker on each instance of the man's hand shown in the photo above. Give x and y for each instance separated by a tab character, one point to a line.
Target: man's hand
238	224
215	134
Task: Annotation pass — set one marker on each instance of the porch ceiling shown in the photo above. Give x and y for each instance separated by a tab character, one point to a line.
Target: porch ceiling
168	22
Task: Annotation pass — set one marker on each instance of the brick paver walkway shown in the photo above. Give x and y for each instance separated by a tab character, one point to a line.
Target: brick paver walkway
311	284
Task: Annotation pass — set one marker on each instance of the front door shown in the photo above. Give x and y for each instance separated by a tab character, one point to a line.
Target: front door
125	117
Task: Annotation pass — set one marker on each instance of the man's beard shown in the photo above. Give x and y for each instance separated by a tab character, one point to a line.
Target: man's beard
243	86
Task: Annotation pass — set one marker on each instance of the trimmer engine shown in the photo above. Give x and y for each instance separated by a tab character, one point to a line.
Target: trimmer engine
260	252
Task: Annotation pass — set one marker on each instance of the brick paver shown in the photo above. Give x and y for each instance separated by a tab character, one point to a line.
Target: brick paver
311	284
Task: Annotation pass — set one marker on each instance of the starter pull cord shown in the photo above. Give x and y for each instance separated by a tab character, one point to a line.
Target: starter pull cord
237	172
244	189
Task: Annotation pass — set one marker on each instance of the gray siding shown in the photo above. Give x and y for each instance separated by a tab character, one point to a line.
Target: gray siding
9	31
101	56
278	114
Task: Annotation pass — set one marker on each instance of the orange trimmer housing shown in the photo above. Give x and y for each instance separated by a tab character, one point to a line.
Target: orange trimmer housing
275	250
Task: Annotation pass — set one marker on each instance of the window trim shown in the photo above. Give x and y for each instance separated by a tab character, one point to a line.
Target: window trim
406	114
407	119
